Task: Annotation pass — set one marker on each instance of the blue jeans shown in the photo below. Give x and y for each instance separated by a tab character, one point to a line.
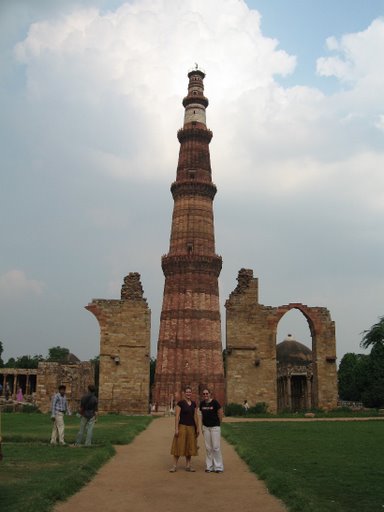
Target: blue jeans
86	424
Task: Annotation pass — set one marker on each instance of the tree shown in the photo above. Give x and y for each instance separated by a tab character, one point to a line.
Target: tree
96	363
152	370
373	393
1	351
10	363
28	361
374	336
352	376
58	354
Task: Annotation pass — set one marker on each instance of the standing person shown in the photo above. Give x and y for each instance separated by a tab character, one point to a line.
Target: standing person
211	418
58	409
88	411
186	431
245	406
19	396
7	391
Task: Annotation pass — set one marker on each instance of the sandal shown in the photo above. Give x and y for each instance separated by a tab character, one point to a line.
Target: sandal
191	470
173	469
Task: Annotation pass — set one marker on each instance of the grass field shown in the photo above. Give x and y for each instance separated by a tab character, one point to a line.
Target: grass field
323	466
34	475
326	466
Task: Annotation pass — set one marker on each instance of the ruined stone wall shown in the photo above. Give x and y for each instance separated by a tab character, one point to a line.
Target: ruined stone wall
251	348
76	378
124	349
251	355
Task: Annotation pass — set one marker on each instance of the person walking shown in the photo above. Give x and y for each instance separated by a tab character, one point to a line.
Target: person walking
211	418
88	412
58	408
186	431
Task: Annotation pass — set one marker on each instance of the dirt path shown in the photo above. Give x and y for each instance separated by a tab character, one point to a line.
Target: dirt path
137	479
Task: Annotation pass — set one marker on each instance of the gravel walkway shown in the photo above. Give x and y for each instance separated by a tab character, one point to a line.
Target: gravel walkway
137	479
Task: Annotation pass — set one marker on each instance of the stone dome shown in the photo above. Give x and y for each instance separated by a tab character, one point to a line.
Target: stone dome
293	352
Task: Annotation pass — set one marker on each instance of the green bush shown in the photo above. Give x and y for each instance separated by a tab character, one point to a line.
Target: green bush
30	408
234	410
19	407
259	408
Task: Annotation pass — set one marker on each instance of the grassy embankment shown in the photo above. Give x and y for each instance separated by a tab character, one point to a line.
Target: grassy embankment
34	475
327	466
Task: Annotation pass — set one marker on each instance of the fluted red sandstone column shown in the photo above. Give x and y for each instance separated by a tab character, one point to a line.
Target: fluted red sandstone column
189	345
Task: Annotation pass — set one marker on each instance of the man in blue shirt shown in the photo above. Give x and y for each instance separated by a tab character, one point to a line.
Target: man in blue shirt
88	412
58	409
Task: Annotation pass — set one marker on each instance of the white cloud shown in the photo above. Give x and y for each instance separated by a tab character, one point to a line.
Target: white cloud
115	80
380	122
15	285
360	56
125	72
301	168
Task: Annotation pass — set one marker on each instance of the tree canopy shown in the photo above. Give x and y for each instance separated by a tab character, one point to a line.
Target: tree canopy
55	354
360	376
374	336
1	351
25	361
352	376
58	354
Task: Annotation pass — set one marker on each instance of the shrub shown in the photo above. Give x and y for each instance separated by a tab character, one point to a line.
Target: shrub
259	408
29	408
234	410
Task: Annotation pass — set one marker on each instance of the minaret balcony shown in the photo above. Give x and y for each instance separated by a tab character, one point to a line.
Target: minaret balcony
194	133
191	263
193	188
202	100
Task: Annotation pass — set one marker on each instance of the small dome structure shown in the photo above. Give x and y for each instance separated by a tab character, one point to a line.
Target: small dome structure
72	359
293	352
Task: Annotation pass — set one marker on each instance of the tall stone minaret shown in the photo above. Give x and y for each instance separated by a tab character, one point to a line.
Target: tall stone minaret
189	345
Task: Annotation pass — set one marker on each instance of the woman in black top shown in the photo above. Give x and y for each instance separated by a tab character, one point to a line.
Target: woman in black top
211	417
186	431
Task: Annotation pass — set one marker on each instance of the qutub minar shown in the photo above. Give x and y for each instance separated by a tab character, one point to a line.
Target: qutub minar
189	344
190	351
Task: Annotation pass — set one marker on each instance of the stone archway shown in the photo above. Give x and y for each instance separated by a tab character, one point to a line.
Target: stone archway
322	329
251	347
294	375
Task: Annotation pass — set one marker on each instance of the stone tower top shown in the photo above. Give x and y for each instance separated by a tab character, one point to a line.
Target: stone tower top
195	102
132	288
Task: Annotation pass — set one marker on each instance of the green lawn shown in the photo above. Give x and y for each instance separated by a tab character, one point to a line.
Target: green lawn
316	466
312	466
34	475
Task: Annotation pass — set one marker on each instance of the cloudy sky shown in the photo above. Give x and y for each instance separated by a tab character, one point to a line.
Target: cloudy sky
90	98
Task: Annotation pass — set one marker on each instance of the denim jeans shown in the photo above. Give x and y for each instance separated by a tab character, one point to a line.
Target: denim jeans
86	424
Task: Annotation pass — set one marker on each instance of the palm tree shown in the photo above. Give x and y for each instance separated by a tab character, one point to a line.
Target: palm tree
374	336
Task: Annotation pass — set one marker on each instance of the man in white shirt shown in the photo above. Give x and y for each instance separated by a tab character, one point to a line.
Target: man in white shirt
58	409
